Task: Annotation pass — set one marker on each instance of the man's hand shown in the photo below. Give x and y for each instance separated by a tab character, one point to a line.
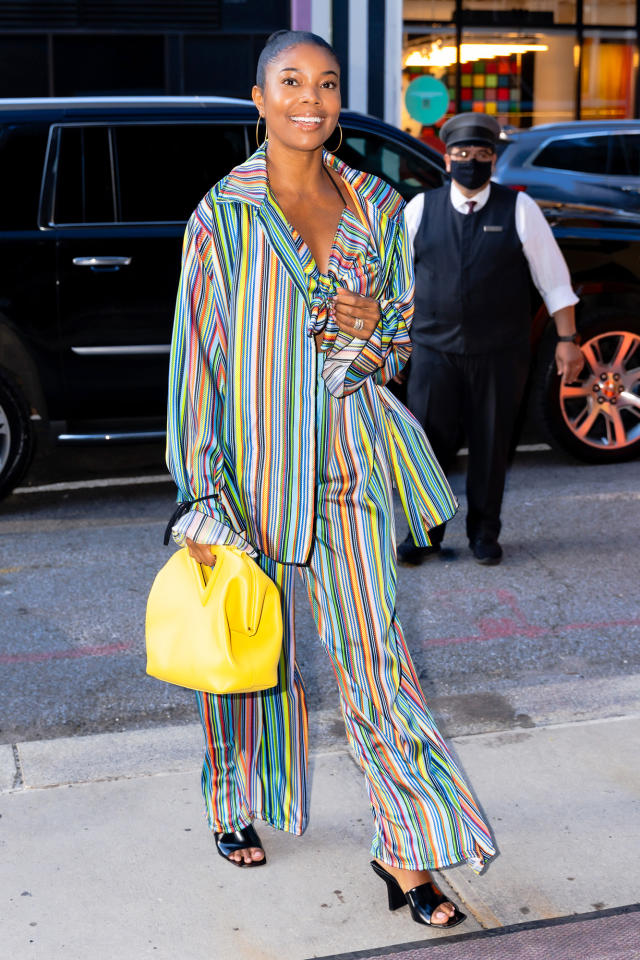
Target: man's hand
201	552
350	308
569	361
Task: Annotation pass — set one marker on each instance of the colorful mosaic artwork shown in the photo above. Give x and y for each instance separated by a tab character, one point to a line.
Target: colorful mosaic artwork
491	86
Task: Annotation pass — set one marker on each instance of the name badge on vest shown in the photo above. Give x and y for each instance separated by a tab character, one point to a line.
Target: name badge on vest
488	229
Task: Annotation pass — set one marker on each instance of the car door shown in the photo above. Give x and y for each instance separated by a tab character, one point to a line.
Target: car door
123	194
28	325
624	168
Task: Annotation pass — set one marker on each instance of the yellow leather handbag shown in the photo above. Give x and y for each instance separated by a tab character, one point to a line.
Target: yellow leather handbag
217	629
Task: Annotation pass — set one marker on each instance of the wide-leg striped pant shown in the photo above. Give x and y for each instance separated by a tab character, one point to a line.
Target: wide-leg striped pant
255	762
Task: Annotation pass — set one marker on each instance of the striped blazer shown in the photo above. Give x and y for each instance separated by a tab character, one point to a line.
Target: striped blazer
242	381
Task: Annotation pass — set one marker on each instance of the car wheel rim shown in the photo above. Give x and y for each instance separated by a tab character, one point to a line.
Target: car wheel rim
5	439
602	406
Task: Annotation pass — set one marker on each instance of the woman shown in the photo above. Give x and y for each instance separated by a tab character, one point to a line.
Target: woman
294	307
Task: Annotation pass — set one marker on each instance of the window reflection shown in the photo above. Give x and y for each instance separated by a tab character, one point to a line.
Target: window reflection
408	175
608	77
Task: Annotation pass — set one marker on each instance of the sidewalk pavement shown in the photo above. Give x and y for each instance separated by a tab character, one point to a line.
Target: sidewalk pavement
105	851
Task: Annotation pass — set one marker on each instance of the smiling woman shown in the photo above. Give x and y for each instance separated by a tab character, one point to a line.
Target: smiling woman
294	308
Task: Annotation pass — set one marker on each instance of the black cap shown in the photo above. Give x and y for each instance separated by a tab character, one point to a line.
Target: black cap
470	128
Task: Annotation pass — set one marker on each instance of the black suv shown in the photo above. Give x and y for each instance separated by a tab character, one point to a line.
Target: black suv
94	195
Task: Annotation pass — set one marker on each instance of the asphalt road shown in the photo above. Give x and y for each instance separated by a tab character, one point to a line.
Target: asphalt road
550	635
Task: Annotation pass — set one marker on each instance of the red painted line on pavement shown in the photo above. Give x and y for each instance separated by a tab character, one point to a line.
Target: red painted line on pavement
507	629
105	651
605	623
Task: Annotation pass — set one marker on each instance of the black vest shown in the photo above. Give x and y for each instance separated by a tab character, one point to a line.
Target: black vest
472	278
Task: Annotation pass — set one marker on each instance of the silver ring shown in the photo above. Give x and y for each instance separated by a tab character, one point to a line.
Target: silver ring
358	324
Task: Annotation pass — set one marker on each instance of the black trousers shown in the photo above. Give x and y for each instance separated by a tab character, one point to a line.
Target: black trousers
480	394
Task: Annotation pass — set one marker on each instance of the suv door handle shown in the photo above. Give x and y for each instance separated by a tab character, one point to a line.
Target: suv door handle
101	261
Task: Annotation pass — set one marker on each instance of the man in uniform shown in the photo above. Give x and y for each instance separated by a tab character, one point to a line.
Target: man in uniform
476	245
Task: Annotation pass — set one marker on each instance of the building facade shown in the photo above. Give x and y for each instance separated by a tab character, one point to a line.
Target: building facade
526	61
138	47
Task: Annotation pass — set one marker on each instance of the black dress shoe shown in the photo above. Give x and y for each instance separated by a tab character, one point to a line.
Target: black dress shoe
422	900
487	552
408	552
228	843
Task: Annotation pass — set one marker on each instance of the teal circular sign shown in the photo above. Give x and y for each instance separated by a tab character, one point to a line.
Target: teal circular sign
426	99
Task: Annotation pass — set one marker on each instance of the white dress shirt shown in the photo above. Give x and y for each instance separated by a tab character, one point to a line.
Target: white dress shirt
548	268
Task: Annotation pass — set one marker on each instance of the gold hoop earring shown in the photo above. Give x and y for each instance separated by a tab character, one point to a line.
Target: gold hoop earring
266	136
335	150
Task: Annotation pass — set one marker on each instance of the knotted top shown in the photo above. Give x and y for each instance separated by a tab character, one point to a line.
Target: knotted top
353	261
322	289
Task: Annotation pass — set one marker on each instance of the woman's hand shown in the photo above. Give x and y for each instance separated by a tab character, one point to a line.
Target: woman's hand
201	552
350	310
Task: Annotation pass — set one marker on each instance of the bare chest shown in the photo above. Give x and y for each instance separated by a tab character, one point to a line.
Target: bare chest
317	225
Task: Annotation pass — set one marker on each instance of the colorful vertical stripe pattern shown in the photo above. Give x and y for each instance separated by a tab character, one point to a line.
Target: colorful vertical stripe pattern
422	486
424	813
241	419
255	746
299	449
424	490
255	757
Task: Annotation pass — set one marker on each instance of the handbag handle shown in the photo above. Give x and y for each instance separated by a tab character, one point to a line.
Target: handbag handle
183	507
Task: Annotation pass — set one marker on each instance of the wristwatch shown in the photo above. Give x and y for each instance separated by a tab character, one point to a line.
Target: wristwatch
570	338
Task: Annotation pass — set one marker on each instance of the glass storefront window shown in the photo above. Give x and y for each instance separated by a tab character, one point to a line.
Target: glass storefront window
610	12
432	55
609	67
519	59
554	80
520	79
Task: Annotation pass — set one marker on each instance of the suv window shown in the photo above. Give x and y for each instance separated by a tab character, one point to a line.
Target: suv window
407	173
84	181
630	148
22	152
587	154
164	170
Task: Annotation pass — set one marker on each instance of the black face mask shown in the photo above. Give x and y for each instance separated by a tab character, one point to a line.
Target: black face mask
471	173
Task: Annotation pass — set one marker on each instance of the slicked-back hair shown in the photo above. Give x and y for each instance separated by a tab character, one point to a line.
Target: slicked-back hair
282	40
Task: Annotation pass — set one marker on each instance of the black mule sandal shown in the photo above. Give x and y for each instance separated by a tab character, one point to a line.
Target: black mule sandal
228	843
422	900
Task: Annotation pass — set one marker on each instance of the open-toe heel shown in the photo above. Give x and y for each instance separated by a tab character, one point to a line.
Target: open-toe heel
397	898
422	900
230	843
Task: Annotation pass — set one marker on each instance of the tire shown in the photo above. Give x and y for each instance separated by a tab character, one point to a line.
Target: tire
589	418
16	436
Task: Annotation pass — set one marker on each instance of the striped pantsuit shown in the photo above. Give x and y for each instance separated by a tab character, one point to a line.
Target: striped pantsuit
256	745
